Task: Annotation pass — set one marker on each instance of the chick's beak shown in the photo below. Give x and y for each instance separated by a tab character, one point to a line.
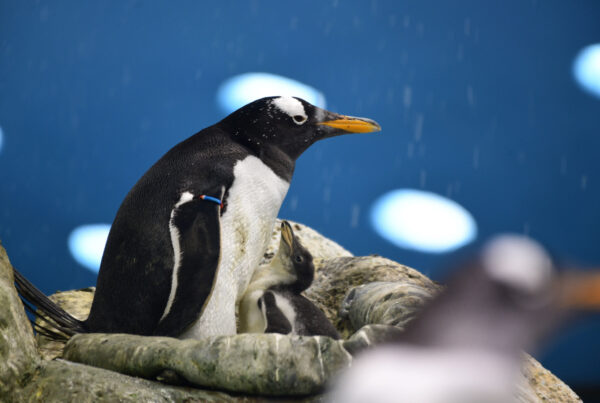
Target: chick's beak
287	235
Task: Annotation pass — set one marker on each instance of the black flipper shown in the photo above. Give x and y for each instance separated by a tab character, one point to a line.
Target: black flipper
276	320
44	308
198	224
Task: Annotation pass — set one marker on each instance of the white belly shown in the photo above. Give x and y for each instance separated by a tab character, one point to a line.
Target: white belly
253	202
252	319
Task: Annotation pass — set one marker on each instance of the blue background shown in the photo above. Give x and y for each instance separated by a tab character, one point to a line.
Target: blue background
91	94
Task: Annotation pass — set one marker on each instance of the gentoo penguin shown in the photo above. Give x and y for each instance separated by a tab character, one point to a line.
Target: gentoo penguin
466	345
273	302
188	236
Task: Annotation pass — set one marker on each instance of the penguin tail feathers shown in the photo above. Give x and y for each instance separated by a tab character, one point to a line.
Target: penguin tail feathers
55	323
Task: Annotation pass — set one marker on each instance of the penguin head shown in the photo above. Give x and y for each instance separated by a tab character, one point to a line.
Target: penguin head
297	259
290	124
521	268
519	264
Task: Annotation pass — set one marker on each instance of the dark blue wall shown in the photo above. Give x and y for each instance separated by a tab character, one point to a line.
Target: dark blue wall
92	94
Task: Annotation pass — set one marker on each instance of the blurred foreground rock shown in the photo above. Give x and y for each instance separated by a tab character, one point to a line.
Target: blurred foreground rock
352	291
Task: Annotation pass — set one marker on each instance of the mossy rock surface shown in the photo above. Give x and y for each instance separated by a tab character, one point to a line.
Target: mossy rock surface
78	303
18	352
260	364
64	381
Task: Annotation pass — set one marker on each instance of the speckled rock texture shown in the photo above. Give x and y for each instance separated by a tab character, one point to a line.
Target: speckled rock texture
263	364
371	335
78	303
543	384
336	277
384	302
18	352
64	381
371	293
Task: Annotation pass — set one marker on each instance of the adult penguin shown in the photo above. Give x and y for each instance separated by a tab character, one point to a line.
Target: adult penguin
189	234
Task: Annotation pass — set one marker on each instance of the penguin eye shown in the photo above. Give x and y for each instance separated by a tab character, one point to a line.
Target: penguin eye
298	259
299	119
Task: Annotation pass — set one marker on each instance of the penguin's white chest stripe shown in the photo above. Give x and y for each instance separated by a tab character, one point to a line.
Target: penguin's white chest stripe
253	202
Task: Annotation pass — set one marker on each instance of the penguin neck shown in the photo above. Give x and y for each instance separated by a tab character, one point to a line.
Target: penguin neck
274	157
278	160
271	275
279	157
304	279
281	274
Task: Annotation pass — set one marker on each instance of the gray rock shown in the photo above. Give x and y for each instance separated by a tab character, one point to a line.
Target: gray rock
264	364
64	381
334	278
78	304
18	352
387	303
369	336
542	385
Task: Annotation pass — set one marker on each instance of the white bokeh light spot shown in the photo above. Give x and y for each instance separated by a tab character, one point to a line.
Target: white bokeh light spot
86	244
240	90
422	221
586	69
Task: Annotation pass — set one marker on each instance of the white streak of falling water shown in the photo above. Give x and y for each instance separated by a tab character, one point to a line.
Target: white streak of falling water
584	182
327	194
419	127
467	26
354	216
407	96
563	166
294	203
470	96
476	158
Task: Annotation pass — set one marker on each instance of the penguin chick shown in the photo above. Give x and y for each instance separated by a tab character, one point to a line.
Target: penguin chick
273	302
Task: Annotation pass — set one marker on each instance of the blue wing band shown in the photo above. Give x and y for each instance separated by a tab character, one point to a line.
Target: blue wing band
212	199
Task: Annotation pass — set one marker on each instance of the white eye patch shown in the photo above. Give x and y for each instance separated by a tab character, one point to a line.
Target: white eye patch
292	107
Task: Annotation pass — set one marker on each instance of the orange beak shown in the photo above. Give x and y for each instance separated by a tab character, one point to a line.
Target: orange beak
351	124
